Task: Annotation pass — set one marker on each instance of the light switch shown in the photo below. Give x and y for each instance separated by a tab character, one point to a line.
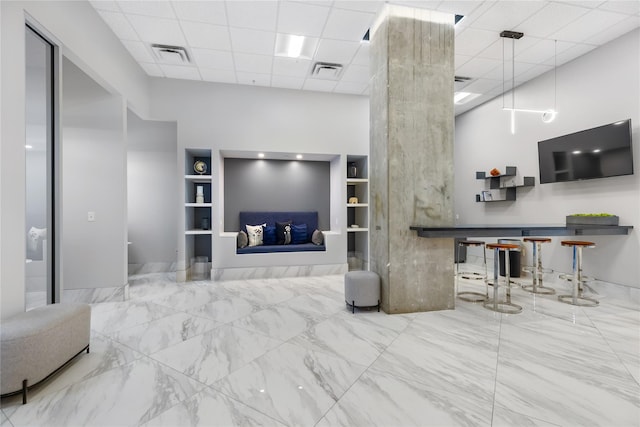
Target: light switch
91	216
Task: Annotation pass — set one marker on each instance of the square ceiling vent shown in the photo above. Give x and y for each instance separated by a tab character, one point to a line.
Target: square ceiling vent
174	55
326	71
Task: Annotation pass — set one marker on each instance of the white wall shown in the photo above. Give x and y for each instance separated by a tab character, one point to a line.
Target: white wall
598	88
93	180
151	191
81	33
245	118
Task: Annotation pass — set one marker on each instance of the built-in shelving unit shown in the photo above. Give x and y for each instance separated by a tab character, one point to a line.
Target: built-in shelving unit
197	205
357	213
505	185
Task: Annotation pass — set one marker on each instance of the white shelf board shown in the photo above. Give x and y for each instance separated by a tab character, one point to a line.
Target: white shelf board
353	230
357	205
197	231
355	181
198	178
198	205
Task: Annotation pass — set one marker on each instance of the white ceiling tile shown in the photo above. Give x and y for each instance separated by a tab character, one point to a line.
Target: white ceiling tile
287	82
482	85
471	41
291	67
158	30
469	19
152	69
588	25
257	15
628	7
372	6
533	72
550	19
211	12
347	25
252	41
119	25
341	52
205	58
497	73
350	87
459	7
254	79
495	50
108	5
616	31
156	8
319	85
589	4
138	50
543	52
253	63
507	15
180	72
477	67
206	36
362	55
215	75
302	19
356	73
460	60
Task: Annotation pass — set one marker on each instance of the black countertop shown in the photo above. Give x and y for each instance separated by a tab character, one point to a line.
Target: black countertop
521	230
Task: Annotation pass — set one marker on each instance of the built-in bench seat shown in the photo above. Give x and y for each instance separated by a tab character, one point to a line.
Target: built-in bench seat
271	218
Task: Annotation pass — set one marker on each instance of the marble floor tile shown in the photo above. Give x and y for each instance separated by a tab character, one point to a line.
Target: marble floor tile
295	385
111	317
279	322
191	296
376	319
347	337
384	400
504	417
156	335
315	304
260	291
212	408
215	354
127	395
226	309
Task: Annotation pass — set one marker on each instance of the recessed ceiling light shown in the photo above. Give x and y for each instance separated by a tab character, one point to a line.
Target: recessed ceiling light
577	152
28	147
261	155
293	46
298	156
597	150
464	97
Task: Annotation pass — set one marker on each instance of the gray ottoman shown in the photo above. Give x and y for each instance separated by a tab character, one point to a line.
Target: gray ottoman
362	289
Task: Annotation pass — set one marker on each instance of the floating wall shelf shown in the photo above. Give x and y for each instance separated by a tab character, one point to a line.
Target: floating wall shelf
505	183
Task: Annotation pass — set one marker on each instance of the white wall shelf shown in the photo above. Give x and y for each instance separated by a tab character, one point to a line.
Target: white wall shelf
357	230
197	231
357	205
198	205
358	213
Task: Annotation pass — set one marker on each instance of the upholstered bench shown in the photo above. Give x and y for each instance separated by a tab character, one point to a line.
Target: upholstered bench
362	289
37	343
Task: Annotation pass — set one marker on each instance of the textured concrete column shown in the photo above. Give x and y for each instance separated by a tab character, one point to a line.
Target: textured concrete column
411	157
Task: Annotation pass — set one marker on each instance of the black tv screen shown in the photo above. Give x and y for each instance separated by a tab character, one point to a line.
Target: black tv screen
600	152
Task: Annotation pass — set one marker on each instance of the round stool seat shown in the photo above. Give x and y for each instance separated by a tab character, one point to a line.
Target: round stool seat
471	243
503	246
537	239
581	243
362	289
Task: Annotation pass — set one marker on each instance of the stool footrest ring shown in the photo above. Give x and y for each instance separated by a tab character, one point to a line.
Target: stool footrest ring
580	300
471	296
503	307
470	275
538	290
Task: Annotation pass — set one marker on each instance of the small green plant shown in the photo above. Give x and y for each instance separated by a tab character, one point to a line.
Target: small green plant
592	214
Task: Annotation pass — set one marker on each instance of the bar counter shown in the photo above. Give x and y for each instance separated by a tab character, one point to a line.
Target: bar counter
494	230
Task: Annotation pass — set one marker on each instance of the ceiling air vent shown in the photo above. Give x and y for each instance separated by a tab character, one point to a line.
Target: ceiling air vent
461	79
176	55
326	71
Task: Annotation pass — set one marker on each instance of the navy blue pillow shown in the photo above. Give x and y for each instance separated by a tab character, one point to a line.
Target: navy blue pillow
269	235
299	234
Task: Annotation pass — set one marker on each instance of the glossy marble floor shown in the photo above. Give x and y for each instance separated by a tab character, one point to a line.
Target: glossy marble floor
289	352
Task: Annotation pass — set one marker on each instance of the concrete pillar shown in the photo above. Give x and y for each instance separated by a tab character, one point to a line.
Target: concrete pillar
411	157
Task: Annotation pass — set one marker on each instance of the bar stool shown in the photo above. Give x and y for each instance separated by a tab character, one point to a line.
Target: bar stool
536	268
505	306
471	296
577	297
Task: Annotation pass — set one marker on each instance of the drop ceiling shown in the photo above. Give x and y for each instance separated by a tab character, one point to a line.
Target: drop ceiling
234	41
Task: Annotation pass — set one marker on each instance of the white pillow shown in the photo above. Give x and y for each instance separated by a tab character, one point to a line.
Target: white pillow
255	234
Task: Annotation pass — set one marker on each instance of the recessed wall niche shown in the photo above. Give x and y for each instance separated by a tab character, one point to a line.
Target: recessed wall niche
276	185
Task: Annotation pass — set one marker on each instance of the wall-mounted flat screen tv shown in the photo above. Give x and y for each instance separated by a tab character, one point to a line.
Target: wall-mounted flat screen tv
600	152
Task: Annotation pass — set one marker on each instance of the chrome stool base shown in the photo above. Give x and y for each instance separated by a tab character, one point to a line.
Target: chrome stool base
538	290
471	296
580	301
503	307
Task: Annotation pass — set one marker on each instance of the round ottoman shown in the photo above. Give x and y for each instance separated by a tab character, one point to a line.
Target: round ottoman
362	289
